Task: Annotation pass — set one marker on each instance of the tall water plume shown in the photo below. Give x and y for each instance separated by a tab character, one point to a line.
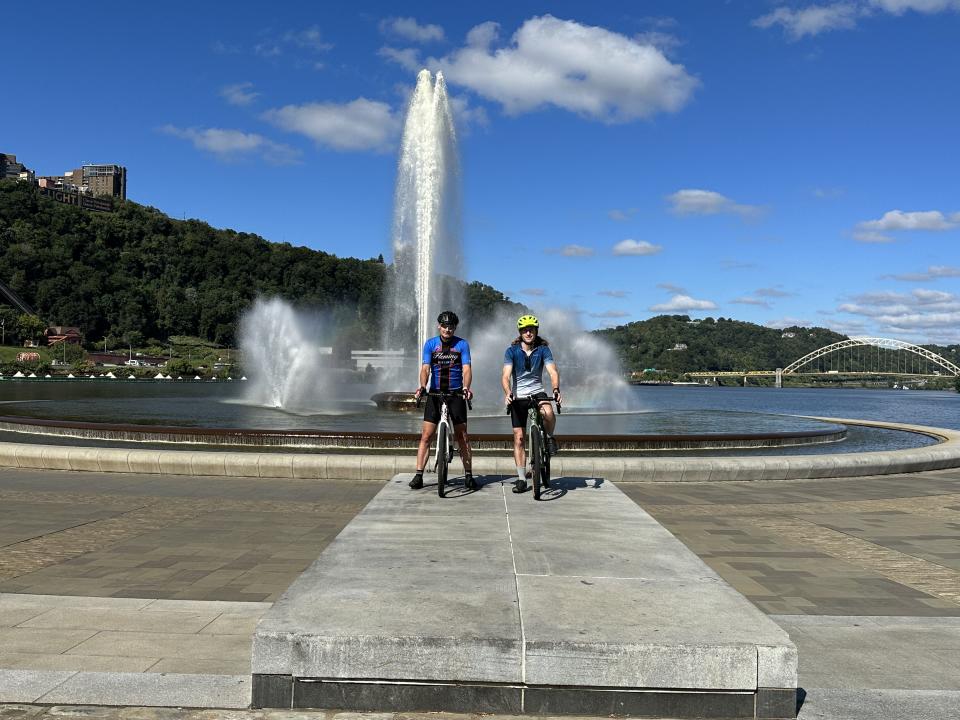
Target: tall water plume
428	258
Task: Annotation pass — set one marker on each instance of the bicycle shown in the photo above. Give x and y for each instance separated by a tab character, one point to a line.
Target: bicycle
537	449
444	436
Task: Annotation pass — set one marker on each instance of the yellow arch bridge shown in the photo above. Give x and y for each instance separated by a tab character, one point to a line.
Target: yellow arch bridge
856	356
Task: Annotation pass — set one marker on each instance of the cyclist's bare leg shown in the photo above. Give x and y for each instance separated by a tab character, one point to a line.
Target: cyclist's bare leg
549	417
463	442
519	448
423	451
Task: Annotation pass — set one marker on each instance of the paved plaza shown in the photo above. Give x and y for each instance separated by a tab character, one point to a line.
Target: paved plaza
162	578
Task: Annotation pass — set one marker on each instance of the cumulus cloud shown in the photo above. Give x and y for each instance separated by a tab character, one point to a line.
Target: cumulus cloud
585	69
929	314
234	144
239	93
815	19
536	292
681	303
874	231
708	202
636	247
409	29
357	125
614	293
934	272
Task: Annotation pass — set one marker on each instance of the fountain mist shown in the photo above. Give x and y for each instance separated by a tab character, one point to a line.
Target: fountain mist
281	353
590	375
428	258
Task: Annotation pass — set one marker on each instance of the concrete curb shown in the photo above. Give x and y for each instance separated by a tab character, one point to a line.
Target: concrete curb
380	468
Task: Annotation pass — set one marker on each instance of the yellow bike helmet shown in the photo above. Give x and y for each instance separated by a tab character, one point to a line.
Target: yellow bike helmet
527	321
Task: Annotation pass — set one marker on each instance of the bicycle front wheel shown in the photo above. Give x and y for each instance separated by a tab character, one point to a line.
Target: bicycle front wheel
536	459
443	461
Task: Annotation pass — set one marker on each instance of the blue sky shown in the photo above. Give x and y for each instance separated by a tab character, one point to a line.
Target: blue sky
773	162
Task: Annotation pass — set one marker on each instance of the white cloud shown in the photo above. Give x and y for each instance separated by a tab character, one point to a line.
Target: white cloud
899	7
636	247
933	272
536	292
811	20
614	293
585	69
357	125
708	202
234	144
409	29
930	315
815	19
407	58
930	220
680	303
239	93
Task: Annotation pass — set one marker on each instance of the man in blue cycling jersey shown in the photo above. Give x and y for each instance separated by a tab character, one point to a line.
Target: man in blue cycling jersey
524	362
446	363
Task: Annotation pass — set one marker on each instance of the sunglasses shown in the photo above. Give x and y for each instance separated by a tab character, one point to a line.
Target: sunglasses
529	328
448	326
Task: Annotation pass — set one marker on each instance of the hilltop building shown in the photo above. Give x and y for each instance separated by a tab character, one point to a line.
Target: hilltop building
10	169
91	180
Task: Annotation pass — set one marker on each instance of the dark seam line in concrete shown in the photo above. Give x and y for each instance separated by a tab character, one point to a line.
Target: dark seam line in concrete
516	585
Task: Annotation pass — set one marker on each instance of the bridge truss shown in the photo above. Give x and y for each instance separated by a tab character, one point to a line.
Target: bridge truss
865	362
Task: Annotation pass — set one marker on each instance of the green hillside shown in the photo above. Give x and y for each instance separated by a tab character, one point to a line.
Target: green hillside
137	274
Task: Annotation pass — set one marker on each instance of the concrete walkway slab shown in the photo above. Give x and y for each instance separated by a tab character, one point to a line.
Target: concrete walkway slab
497	603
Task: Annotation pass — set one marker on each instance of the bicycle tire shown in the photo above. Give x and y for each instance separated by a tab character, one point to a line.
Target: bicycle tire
443	445
536	459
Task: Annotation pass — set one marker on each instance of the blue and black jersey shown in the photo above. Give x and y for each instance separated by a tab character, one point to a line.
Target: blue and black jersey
446	362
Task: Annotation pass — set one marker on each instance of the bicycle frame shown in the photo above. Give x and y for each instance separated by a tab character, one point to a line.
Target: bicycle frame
444	420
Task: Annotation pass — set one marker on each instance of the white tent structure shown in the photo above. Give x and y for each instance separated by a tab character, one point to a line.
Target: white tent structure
32	375
70	376
19	374
131	376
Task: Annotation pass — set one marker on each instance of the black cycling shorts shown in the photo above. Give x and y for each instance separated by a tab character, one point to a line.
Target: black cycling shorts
520	406
456	406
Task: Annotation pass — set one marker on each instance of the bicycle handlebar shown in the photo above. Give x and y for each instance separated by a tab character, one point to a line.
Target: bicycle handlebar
539	401
447	393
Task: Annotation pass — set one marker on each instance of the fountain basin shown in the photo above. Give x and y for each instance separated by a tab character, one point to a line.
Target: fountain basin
814	433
